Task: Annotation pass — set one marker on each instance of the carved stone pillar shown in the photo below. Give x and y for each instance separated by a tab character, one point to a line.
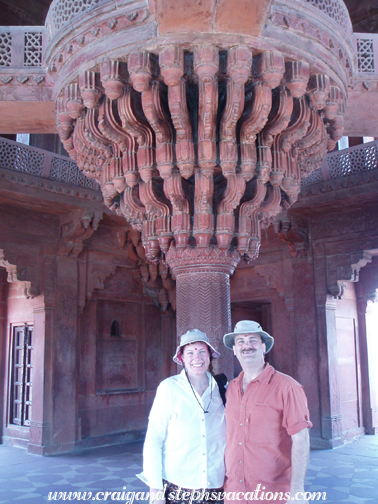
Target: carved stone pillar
41	420
328	373
366	396
200	139
203	295
3	333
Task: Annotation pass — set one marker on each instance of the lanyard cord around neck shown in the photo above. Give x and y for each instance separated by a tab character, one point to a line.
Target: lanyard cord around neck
195	395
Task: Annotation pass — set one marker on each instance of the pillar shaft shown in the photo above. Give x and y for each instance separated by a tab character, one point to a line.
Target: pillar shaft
203	296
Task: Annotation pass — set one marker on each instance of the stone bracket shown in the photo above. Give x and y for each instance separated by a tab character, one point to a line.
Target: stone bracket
76	227
24	274
344	267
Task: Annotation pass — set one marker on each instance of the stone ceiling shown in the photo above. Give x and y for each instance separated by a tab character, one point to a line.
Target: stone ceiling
363	13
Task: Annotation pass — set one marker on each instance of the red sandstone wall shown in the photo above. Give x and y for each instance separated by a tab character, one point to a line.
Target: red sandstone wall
88	387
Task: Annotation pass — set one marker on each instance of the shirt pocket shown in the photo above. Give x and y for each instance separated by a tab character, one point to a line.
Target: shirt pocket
264	424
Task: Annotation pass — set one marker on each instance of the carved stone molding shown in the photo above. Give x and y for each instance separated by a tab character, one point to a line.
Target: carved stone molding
368	280
76	227
273	276
156	278
194	259
344	267
294	234
20	274
96	276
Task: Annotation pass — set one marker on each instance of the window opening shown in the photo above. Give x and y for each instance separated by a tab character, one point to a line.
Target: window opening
115	330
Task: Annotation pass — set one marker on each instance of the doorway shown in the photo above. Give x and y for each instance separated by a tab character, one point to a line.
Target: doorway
20	400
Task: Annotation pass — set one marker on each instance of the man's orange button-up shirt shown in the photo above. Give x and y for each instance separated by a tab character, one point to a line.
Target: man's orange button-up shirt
260	424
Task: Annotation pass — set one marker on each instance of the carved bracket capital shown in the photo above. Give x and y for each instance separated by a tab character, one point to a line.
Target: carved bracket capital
76	227
196	259
344	267
24	275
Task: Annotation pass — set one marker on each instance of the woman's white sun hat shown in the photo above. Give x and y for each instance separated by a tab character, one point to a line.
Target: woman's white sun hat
248	327
192	336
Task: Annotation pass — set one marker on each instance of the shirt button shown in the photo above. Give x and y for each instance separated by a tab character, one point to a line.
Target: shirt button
241	425
239	461
242	405
203	435
240	481
240	444
246	420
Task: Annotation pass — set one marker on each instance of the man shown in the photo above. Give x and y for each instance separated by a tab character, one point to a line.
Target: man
267	440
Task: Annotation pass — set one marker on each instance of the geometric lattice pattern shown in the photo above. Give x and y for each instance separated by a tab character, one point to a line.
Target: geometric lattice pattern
64	10
336	10
347	162
365	55
5	48
15	157
33	49
315	177
67	171
353	161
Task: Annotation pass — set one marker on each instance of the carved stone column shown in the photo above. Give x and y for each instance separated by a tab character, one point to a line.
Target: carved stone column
199	133
328	372
3	333
203	295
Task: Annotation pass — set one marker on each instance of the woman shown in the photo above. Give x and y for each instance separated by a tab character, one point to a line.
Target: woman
185	440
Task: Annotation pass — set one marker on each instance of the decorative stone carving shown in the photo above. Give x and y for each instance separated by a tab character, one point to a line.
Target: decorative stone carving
113	141
23	275
344	267
294	234
76	227
199	138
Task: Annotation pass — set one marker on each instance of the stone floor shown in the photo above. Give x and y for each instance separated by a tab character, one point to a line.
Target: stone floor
347	474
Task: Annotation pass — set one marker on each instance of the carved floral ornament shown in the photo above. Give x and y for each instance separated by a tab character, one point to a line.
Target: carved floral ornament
201	147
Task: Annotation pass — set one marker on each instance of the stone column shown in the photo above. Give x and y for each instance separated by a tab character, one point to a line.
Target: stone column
65	355
203	295
329	390
41	414
328	372
366	396
3	339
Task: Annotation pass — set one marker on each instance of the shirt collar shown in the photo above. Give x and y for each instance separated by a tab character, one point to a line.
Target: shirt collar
264	377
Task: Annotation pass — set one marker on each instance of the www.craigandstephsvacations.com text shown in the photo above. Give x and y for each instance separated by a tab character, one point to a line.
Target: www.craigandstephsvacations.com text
258	494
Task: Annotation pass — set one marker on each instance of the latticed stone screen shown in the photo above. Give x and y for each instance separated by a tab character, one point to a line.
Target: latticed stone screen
335	10
14	157
5	48
67	171
353	161
315	177
365	55
33	49
347	162
65	10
